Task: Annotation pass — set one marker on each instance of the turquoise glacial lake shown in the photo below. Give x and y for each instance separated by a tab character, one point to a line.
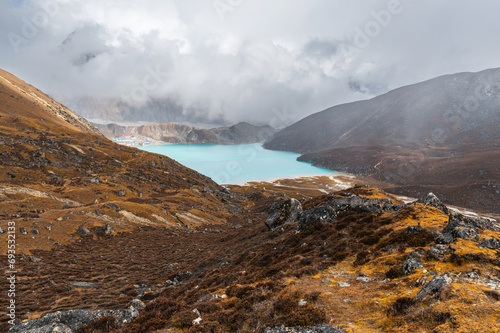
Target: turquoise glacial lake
236	164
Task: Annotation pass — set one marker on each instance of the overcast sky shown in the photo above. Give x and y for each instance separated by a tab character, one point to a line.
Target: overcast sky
248	60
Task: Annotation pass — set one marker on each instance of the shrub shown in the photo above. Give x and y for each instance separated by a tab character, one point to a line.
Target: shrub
401	305
103	325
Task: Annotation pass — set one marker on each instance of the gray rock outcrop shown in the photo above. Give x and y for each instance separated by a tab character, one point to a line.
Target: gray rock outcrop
283	212
71	320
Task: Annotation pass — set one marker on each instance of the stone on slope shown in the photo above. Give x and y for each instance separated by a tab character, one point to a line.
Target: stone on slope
438	251
137	304
83	232
73	319
490	243
460	228
323	214
113	206
312	329
283	212
412	264
363	205
84	285
104	230
434	286
433	201
52	328
480	223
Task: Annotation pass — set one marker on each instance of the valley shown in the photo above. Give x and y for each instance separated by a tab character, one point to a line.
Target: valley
111	238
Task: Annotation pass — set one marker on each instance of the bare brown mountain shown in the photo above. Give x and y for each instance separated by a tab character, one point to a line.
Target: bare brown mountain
441	135
54	163
20	99
240	133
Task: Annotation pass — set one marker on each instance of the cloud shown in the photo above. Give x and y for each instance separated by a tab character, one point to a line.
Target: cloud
242	60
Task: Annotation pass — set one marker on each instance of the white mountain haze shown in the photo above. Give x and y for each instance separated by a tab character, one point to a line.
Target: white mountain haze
441	135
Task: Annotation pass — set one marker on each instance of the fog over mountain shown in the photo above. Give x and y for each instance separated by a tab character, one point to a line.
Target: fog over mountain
232	61
438	135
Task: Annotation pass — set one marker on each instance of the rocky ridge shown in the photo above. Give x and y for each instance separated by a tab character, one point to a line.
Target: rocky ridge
240	133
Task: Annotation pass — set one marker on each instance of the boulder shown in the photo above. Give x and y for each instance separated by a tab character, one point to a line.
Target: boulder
490	243
419	254
412	264
322	214
438	251
72	319
104	230
413	229
364	279
283	212
363	205
480	223
444	239
426	278
52	328
311	329
84	285
208	298
93	181
113	206
137	304
433	201
23	231
433	287
460	228
83	232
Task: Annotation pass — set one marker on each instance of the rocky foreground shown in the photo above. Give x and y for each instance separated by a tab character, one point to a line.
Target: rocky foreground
357	260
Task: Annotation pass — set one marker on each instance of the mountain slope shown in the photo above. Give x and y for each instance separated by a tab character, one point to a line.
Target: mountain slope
184	134
57	172
442	132
17	98
449	111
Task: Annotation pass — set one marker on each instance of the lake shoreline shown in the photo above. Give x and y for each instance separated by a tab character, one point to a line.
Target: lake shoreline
237	164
